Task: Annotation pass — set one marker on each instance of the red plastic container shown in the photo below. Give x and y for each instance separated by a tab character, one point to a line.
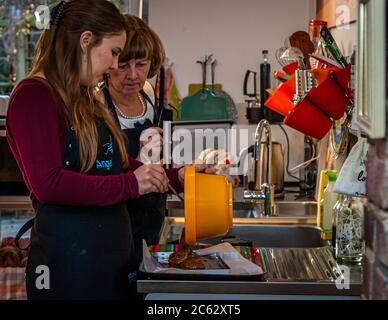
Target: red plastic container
308	119
314	114
330	95
281	99
291	68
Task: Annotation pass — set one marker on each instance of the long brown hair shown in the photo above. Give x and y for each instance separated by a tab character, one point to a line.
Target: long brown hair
58	57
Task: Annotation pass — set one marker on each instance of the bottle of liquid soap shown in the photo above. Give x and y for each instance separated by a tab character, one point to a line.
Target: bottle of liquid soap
323	181
329	200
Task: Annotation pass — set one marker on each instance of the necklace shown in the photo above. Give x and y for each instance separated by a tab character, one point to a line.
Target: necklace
135	117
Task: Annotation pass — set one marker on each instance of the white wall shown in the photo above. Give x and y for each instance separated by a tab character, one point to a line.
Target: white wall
235	31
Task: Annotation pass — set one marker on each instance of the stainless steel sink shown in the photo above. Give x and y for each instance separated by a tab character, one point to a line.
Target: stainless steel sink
243	209
292	226
259	235
282	209
273	236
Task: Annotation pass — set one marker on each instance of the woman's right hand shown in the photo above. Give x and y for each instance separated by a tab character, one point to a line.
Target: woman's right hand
151	178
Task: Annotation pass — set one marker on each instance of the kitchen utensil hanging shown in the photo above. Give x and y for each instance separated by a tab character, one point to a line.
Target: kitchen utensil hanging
204	104
302	41
340	134
232	109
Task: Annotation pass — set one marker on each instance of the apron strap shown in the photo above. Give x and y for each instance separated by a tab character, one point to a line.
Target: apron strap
110	103
153	105
27	226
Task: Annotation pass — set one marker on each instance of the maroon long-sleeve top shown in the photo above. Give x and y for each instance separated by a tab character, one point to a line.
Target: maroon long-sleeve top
37	133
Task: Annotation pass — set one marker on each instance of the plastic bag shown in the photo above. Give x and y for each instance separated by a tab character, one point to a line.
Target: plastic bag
352	178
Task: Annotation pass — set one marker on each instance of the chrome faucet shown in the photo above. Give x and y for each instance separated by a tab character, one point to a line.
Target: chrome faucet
264	192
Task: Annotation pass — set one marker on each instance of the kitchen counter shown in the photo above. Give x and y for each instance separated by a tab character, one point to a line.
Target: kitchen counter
274	289
15	202
292	273
275	284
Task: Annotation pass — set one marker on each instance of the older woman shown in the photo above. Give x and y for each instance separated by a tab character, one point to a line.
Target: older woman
131	99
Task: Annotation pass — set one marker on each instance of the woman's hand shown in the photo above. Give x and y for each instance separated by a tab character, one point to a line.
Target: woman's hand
151	178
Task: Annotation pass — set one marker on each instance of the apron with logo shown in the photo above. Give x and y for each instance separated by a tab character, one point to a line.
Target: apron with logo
88	250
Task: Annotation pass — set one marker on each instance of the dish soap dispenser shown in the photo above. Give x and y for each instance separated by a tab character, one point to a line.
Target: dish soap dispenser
329	200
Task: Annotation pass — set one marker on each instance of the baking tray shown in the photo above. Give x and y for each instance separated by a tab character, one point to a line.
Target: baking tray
214	262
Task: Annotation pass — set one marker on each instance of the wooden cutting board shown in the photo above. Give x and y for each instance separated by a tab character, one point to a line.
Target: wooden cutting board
194	87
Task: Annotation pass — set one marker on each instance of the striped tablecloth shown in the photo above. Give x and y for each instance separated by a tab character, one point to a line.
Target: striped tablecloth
12	284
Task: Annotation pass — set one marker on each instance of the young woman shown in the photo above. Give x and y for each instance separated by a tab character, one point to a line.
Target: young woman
74	159
131	99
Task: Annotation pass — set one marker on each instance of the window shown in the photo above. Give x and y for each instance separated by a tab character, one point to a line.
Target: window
18	36
371	68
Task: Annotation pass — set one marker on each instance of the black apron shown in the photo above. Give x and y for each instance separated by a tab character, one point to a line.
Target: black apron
147	213
87	249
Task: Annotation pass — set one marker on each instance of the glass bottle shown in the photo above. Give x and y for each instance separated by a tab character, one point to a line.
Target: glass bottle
265	77
315	27
349	243
265	83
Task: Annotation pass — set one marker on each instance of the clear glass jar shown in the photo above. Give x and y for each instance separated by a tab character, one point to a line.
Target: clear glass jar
349	242
335	213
